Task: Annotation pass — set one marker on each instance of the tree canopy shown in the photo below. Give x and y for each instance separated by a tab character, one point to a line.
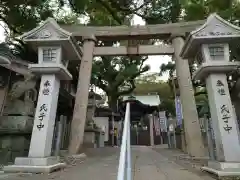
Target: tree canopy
115	75
22	15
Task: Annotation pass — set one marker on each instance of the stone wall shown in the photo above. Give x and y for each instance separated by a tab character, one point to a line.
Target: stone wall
15	130
16	121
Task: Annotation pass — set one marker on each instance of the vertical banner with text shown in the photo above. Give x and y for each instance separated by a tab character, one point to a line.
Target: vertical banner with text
178	107
163	121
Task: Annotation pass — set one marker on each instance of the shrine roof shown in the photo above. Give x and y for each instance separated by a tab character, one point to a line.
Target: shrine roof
104	112
137	108
151	99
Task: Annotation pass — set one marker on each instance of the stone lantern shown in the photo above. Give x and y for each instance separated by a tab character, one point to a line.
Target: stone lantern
209	46
55	47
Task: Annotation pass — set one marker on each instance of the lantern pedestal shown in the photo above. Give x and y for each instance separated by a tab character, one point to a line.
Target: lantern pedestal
35	165
205	69
224	122
51	68
222	169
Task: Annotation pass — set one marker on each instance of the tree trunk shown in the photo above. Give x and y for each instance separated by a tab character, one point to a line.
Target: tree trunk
112	102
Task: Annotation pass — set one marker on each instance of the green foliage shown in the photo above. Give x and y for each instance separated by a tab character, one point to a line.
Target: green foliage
168	105
68	18
202	103
149	84
200	9
200	95
22	15
115	75
100	12
153	12
169	67
162	11
111	12
152	78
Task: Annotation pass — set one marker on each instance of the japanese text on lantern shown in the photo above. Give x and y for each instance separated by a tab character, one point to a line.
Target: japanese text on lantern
221	89
42	114
46	88
225	112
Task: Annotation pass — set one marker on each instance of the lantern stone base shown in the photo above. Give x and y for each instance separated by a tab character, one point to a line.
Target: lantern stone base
217	67
51	68
223	169
35	165
91	138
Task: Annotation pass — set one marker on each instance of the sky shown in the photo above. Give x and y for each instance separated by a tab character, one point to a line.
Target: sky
154	61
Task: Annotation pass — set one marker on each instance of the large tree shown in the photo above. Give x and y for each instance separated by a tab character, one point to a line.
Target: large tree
153	12
116	75
22	15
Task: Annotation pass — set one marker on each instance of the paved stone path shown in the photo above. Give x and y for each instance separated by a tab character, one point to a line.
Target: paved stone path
146	163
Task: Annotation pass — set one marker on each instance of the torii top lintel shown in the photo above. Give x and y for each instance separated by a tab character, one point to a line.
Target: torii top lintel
161	31
50	33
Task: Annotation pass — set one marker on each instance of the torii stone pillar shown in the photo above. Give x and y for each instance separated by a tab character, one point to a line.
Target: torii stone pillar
194	140
81	100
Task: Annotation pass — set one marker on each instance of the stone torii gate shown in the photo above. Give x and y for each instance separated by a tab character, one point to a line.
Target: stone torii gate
58	44
174	32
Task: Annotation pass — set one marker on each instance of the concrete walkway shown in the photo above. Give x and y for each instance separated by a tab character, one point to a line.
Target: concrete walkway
102	165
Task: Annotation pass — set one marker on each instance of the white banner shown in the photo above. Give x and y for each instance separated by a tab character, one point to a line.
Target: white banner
163	121
156	124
